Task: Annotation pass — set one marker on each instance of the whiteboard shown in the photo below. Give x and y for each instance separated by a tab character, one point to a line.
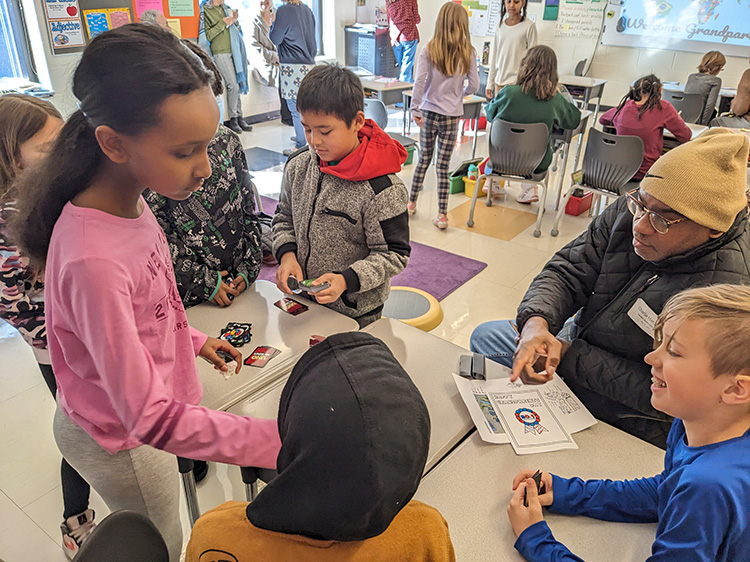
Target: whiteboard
695	26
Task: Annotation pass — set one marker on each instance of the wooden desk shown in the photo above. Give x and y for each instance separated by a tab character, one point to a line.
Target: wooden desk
271	326
388	92
472	488
566	136
472	110
586	88
429	360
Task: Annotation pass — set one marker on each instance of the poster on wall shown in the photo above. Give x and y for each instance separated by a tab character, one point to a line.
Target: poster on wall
61	9
118	17
96	22
66	34
143	5
181	8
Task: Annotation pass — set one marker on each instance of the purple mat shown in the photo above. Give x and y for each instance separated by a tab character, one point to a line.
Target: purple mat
432	270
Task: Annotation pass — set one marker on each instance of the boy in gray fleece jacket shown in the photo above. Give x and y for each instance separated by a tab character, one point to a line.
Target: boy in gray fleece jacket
342	216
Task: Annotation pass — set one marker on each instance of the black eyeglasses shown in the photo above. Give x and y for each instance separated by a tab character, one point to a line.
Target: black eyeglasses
658	222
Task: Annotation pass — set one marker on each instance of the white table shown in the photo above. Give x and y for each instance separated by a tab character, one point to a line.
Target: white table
385	89
271	326
430	362
695	130
586	88
472	488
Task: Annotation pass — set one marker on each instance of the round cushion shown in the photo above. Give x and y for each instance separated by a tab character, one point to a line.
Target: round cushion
414	307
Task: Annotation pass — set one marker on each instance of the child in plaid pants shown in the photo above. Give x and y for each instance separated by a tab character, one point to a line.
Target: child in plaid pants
444	65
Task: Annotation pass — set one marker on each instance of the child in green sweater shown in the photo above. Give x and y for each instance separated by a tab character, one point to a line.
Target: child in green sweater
535	98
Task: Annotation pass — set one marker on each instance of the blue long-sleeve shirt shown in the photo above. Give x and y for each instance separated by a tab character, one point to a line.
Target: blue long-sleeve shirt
293	33
701	502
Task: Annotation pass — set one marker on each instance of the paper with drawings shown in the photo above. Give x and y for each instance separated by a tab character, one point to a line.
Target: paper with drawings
559	403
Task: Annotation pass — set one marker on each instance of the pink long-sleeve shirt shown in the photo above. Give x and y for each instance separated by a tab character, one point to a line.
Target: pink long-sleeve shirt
650	127
122	349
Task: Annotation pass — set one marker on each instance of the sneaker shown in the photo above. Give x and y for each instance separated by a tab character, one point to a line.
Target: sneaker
497	190
288	151
244	125
269	258
411	208
75	530
528	195
441	222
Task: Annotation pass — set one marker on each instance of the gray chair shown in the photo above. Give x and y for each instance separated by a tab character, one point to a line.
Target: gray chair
689	106
124	536
516	150
375	110
609	163
580	67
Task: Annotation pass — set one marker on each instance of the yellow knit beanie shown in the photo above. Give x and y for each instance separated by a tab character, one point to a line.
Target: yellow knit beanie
704	179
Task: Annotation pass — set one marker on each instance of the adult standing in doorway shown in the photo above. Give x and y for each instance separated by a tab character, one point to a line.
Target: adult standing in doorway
221	36
403	17
740	106
293	33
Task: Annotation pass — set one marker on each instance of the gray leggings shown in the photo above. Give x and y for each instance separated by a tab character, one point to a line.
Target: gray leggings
143	479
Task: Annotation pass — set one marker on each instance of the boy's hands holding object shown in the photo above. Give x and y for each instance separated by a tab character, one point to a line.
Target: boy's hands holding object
337	285
213	351
306	286
525	508
226	293
288	267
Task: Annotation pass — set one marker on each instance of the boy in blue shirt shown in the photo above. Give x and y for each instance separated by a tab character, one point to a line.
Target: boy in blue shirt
701	375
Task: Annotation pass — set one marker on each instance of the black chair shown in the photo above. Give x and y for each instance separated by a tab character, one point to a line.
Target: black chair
250	477
375	110
689	106
516	150
609	163
124	536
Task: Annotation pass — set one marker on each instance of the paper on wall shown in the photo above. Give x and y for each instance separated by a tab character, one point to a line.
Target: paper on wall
558	400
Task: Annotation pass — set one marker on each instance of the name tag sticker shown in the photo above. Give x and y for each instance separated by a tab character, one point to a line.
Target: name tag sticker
643	316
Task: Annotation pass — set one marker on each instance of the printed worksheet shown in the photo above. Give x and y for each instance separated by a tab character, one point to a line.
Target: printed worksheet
558	399
529	422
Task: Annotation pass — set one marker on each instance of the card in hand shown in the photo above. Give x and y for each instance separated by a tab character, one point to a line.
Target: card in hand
291	306
261	355
537	478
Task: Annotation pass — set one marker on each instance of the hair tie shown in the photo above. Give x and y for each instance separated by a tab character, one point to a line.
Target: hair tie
80	108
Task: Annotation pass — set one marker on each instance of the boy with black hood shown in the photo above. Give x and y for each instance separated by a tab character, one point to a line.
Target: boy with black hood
342	216
354	439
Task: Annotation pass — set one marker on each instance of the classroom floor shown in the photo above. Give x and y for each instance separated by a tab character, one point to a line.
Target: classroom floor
30	493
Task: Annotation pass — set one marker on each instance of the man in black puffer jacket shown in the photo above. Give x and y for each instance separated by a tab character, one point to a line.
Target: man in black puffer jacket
686	226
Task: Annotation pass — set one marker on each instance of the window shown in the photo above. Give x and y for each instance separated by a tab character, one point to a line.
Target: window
317	9
15	54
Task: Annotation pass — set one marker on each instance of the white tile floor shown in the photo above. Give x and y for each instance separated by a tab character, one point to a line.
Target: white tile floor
30	494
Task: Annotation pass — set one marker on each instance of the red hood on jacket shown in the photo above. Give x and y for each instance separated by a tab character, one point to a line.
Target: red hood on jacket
377	155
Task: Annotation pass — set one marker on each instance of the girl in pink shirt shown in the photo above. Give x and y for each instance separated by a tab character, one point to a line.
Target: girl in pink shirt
121	347
642	113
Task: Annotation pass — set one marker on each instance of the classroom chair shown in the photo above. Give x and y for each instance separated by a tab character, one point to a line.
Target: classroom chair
124	536
375	110
610	161
516	149
250	477
689	106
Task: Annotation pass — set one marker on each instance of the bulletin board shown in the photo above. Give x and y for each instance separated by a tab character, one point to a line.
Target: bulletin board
186	12
95	16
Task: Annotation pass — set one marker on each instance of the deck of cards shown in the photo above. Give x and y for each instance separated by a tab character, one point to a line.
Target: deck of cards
236	334
261	355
